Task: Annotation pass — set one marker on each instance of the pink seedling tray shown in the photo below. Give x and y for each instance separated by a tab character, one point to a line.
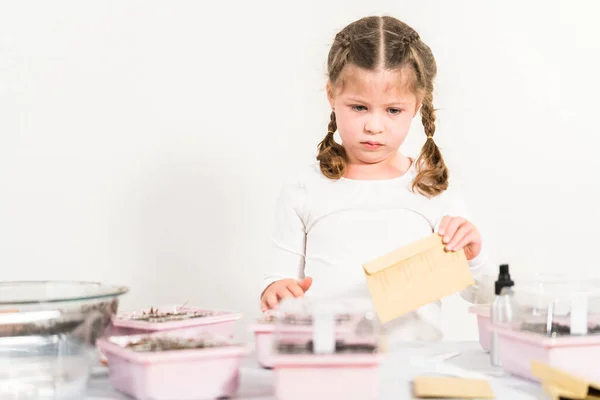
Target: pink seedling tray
326	377
221	322
483	324
174	374
264	334
577	355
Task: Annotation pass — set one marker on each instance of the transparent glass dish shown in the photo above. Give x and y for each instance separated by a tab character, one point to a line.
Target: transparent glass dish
50	367
41	308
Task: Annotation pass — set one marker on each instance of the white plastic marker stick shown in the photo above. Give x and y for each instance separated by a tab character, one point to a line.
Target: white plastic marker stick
550	317
323	330
579	315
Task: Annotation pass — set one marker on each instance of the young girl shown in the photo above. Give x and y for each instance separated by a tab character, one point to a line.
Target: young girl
364	198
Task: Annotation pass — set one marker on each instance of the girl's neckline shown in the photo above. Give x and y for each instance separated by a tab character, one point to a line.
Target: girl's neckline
406	174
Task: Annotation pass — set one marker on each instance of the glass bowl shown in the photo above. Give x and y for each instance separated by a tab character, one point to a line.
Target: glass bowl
43	367
82	310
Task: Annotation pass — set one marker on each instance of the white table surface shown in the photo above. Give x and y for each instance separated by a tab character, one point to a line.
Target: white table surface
398	370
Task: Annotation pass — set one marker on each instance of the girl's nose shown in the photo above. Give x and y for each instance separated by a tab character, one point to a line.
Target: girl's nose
374	124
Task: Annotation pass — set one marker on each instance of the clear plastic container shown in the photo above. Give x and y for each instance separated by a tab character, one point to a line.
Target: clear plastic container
333	343
531	282
50	367
174	317
264	337
557	321
183	365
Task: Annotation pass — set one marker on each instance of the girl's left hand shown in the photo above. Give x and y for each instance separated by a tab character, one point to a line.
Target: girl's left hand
458	233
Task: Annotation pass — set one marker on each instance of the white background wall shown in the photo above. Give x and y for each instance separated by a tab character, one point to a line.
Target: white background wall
143	142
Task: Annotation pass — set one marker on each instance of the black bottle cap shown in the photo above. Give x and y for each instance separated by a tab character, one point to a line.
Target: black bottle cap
503	279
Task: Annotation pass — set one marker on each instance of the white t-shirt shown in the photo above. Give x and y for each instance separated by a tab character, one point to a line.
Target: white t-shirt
327	229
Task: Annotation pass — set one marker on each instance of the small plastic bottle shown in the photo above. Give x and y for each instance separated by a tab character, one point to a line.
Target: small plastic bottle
502	309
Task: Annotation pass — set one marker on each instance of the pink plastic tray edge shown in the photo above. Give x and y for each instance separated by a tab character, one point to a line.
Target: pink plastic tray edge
481	311
541	341
120	320
262	328
343	360
114	350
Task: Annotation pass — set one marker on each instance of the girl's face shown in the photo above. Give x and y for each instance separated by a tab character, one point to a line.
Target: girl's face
374	110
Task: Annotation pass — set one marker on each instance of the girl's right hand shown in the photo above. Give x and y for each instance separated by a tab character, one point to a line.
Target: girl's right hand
282	289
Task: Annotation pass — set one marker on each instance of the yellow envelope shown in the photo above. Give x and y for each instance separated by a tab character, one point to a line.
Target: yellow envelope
561	385
442	387
415	275
558	393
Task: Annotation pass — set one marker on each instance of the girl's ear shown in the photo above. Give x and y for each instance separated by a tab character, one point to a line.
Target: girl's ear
418	106
329	88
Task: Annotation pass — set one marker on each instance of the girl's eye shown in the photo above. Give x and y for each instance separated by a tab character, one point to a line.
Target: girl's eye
359	108
394	111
